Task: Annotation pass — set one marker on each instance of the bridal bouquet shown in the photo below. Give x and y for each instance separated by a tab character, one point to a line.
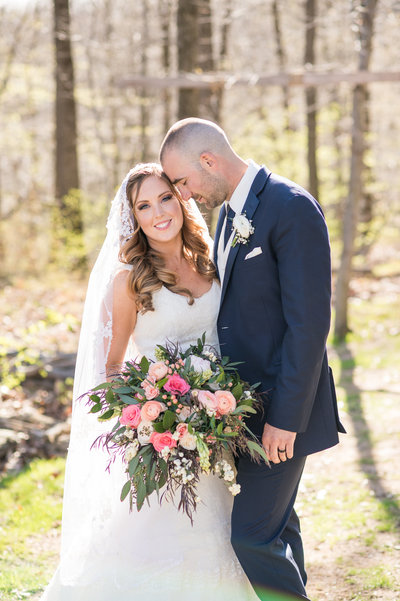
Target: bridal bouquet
177	417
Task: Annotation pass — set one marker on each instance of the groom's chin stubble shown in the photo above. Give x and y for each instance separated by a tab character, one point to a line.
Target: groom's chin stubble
213	203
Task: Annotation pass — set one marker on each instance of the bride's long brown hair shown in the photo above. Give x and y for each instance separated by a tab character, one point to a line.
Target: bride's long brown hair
149	272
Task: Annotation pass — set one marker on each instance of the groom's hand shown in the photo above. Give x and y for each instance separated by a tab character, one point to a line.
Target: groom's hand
275	441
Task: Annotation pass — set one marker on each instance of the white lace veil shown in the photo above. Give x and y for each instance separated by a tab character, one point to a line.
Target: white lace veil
91	494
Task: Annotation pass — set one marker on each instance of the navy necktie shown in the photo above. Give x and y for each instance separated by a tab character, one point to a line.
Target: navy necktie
230	214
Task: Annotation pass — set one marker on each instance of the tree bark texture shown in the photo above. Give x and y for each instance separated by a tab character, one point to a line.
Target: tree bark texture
144	101
164	9
66	168
205	60
366	11
281	56
188	42
311	100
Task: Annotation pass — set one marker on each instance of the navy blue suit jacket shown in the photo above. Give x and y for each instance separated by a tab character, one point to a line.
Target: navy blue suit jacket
275	312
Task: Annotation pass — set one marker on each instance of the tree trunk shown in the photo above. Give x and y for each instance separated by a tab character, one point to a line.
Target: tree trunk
366	10
188	41
311	100
223	54
144	108
281	56
194	53
66	169
205	59
164	9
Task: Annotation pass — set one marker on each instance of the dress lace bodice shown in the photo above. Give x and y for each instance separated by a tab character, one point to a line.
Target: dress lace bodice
175	321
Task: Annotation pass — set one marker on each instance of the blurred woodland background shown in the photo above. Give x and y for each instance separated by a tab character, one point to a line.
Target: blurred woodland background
311	89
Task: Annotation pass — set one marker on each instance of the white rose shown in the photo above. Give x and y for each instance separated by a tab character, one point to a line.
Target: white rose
242	225
131	451
188	441
199	364
185	413
234	489
145	430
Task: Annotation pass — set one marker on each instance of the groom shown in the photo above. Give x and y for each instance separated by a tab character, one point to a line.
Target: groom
273	258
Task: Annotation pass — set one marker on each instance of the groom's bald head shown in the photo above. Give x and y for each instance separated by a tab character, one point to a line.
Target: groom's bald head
191	137
198	159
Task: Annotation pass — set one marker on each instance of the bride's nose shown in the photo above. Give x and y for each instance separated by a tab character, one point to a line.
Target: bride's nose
158	209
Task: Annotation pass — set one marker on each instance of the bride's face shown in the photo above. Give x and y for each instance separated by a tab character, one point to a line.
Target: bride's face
158	211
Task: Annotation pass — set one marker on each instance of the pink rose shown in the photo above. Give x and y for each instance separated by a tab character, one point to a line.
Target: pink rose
151	410
208	400
130	416
150	391
176	385
159	440
158	370
226	401
182	429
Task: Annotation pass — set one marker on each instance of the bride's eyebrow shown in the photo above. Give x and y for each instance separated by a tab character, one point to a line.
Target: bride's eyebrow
166	191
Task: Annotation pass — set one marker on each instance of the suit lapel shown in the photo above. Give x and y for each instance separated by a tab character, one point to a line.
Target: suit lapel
220	222
249	209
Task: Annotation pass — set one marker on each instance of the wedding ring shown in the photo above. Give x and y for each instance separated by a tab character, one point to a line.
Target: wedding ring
282	451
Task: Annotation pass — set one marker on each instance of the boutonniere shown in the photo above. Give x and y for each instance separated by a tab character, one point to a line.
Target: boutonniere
242	228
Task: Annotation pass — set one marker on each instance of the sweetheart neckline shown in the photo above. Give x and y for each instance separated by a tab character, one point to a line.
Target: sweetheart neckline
195	297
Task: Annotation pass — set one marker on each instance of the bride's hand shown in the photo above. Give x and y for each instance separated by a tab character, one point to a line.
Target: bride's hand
277	443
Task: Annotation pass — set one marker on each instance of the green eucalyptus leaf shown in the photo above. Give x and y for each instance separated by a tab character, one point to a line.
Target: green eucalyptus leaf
162	464
103	386
237	391
244	409
122	390
128	400
256	448
162	480
141	494
133	465
125	490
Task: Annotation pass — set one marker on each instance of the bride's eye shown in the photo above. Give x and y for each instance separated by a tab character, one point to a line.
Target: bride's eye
142	206
166	197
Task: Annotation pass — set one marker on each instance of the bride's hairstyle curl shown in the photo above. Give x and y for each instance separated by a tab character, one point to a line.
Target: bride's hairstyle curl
149	272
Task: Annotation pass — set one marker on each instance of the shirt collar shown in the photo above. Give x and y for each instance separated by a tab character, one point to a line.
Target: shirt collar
242	190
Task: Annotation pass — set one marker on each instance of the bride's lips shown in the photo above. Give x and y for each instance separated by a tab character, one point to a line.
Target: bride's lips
163	225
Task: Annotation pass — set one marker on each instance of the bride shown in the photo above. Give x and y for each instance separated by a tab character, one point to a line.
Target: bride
153	281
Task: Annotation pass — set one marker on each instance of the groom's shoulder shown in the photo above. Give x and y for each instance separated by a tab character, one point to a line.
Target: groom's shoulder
282	192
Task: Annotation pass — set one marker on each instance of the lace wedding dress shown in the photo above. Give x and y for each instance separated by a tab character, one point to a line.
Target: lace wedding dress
155	553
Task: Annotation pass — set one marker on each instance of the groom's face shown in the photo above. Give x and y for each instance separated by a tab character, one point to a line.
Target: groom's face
194	181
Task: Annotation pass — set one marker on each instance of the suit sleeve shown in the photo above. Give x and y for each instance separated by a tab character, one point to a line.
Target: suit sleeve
301	246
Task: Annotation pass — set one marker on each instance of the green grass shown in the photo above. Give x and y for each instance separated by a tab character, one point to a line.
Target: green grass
375	578
30	507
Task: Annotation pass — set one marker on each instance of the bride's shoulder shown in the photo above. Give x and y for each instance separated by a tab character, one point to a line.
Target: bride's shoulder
120	283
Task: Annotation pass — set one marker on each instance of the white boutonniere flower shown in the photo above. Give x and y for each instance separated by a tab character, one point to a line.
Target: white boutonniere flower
242	228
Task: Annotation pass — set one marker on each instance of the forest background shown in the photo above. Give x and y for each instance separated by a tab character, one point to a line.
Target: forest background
88	88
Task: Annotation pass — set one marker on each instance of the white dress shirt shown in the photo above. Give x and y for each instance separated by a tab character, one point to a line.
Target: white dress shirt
236	203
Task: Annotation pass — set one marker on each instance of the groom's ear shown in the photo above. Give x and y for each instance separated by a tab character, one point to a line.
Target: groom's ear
208	160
